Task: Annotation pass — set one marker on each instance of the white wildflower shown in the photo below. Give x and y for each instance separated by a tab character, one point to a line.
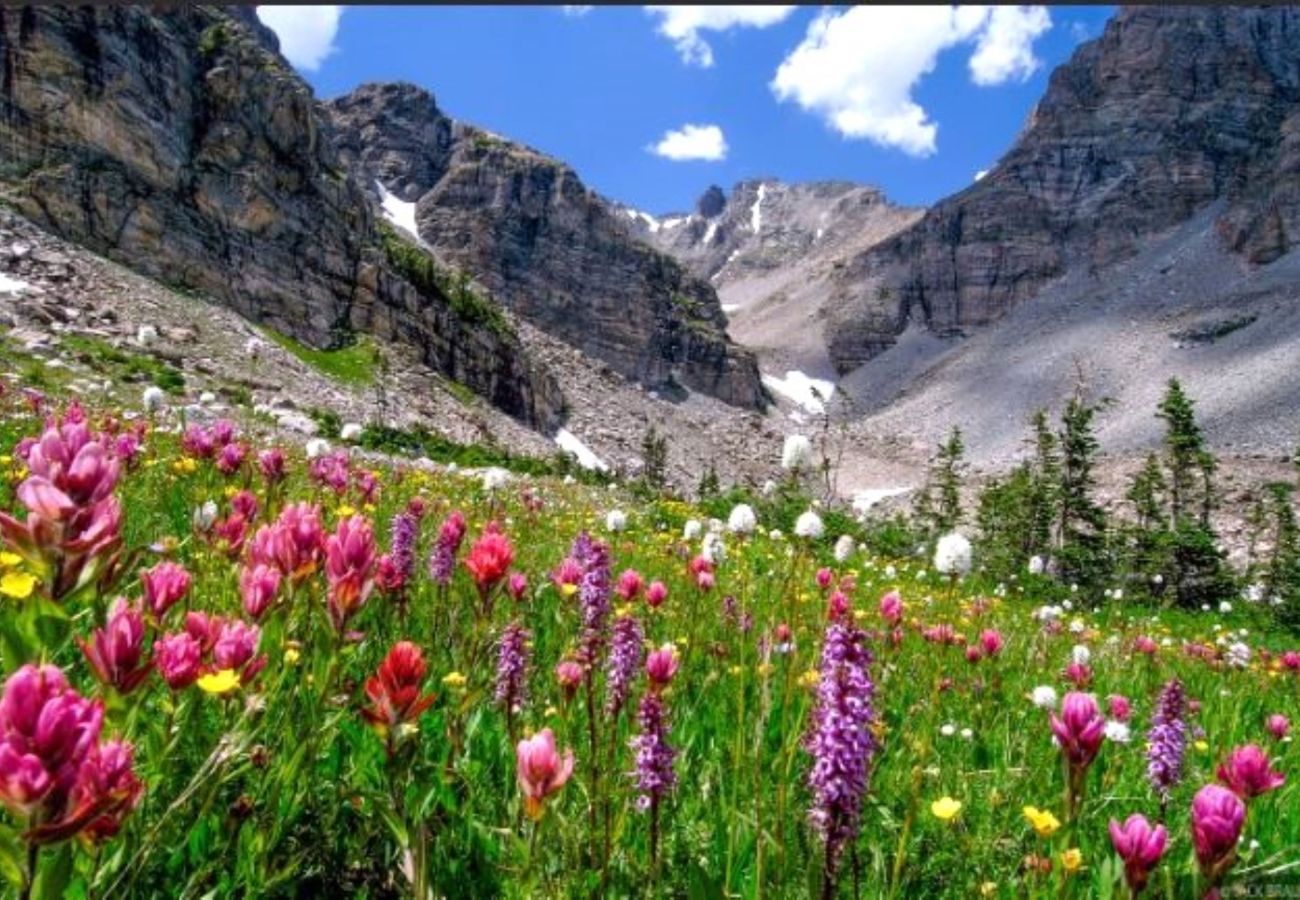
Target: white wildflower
797	452
205	515
495	478
769	487
146	335
712	548
1117	732
742	519
350	432
692	529
615	520
153	398
1044	696
844	548
948	730
317	447
809	525
1225	607
1238	655
1035	565
952	554
253	347
1081	655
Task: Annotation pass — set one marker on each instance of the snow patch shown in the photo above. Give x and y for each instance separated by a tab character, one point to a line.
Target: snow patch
980	174
730	307
818	235
810	393
569	443
756	211
650	221
12	285
674	221
710	232
864	500
398	211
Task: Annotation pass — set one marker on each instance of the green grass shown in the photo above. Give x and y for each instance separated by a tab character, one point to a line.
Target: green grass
124	365
353	364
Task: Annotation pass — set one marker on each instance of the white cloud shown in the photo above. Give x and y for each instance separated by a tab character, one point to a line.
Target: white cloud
576	11
683	24
692	142
306	33
1006	46
858	68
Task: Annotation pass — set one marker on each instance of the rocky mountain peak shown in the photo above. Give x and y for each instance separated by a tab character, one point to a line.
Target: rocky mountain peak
542	243
1170	111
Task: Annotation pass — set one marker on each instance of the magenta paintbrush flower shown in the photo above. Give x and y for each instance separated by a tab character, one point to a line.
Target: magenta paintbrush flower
47	730
1080	729
891	607
164	585
349	568
115	652
178	657
258	585
1140	846
1247	772
1217	817
656	594
394	691
1278	725
540	770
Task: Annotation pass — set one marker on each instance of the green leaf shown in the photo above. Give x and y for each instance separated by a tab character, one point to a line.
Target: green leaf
11	856
53	874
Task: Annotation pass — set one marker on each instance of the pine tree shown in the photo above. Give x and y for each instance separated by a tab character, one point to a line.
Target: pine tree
1281	581
948	514
1149	539
1198	571
709	486
1044	489
654	456
1081	525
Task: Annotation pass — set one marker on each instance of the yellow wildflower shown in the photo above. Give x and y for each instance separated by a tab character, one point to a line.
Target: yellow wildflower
344	511
1202	746
9	560
18	585
810	678
219	683
568	590
1043	821
1072	859
186	465
945	808
291	656
988	888
454	680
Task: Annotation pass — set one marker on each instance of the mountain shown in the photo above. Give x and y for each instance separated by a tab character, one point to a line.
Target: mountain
553	251
182	145
770	249
1171	111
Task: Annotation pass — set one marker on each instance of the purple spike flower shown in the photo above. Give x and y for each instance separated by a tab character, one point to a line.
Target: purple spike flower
443	560
1168	739
405	529
840	739
654	756
624	662
593	594
512	668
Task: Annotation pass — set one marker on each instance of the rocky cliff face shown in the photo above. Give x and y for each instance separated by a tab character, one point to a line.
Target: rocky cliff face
182	145
771	250
1170	111
531	234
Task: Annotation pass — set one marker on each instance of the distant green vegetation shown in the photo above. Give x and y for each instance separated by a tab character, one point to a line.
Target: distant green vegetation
353	364
418	266
419	441
124	365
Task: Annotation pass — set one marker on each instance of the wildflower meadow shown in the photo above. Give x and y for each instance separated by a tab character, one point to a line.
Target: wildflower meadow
235	669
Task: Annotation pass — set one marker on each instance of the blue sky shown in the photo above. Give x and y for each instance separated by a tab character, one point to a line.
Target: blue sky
915	100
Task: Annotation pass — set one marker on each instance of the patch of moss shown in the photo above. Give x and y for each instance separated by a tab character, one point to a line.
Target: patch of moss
353	364
124	365
213	38
418	266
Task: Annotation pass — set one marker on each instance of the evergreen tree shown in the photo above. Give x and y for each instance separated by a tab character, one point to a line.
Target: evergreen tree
948	514
654	456
1044	489
1197	566
1281	581
709	486
1150	541
1081	524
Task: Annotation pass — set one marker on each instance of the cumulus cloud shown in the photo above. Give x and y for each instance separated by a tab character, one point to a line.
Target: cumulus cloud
683	24
858	68
306	33
692	142
1006	45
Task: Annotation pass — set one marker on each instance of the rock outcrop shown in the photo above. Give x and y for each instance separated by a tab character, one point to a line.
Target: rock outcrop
554	252
1170	111
180	144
